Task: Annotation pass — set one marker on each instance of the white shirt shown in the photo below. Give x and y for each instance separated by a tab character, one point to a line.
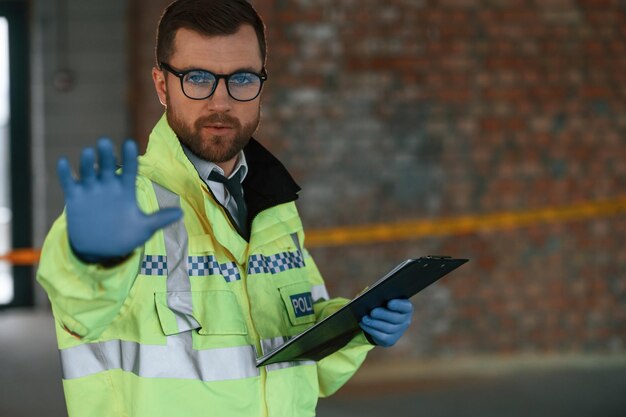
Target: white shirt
218	189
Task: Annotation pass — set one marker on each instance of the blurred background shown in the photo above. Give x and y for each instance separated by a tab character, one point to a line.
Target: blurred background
493	130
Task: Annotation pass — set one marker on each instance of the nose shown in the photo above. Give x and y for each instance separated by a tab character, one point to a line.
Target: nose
220	100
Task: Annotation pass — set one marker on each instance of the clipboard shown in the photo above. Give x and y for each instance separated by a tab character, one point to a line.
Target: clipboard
336	330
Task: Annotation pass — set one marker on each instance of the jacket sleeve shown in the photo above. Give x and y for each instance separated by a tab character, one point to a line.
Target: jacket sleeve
336	369
85	298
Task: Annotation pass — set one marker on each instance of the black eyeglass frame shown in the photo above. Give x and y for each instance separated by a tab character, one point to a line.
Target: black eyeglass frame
181	75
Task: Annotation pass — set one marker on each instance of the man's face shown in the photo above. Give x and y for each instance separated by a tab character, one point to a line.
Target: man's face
216	128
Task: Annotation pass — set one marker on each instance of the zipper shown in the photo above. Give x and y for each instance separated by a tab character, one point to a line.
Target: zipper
257	344
255	333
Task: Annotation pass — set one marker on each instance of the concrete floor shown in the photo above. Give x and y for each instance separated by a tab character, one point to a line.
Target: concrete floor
580	393
30	386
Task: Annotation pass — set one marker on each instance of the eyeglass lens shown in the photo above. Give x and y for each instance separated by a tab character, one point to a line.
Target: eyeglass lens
242	86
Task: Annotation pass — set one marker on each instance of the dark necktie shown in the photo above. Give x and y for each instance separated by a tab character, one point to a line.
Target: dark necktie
233	185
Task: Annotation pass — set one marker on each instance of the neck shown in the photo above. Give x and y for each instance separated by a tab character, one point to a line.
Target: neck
228	166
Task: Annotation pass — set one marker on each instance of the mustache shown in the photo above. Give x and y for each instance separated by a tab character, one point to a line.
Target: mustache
222	118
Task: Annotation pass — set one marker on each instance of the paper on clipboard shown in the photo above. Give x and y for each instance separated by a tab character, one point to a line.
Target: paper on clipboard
335	331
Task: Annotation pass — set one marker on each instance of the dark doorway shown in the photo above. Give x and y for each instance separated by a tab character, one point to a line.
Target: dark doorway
16	282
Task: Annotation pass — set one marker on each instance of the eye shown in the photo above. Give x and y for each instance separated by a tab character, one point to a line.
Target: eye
243	78
199	78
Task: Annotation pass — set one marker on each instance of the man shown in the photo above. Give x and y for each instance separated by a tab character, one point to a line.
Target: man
164	314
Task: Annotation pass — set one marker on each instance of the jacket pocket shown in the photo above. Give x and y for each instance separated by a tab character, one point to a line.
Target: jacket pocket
298	302
214	312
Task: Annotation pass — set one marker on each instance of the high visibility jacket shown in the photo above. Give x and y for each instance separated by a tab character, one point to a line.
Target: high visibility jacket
174	330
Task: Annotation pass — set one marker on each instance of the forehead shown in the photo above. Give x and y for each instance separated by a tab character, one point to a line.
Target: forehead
222	53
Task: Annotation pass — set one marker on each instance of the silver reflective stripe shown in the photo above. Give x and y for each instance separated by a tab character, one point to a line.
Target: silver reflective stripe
177	359
177	279
181	305
294	237
319	293
267	345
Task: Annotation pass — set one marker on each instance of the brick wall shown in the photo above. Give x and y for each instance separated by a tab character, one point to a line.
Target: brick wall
420	109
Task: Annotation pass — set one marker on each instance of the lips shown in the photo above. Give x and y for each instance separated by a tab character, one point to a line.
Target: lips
218	123
218	130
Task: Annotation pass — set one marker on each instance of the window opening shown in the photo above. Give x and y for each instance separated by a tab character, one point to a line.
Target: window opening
6	278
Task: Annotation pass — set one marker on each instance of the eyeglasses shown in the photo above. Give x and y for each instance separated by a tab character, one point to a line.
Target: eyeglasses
199	84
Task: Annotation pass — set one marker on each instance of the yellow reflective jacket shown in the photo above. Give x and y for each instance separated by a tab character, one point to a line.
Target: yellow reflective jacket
176	328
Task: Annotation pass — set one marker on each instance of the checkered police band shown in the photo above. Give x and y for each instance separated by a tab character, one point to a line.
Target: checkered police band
201	266
273	264
154	265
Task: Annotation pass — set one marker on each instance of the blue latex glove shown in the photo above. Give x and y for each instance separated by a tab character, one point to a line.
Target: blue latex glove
385	326
104	221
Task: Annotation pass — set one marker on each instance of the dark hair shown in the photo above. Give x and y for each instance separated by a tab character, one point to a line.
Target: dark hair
207	17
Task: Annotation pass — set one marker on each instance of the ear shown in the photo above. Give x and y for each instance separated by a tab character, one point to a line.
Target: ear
158	77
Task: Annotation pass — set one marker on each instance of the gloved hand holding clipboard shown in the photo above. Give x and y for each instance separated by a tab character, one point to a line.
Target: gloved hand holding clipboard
336	330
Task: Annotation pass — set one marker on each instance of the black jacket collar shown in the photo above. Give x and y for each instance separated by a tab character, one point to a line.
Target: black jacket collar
268	183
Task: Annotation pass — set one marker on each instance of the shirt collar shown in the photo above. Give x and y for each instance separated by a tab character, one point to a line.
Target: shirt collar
205	167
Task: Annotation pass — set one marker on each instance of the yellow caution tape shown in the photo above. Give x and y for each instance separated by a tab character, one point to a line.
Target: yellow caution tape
411	230
22	256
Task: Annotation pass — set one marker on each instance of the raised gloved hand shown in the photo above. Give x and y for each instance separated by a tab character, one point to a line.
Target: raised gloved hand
104	221
385	326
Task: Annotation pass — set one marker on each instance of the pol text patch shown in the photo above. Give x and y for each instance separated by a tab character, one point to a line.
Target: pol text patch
302	304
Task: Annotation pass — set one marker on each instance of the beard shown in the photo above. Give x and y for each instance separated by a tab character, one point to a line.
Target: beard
213	148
